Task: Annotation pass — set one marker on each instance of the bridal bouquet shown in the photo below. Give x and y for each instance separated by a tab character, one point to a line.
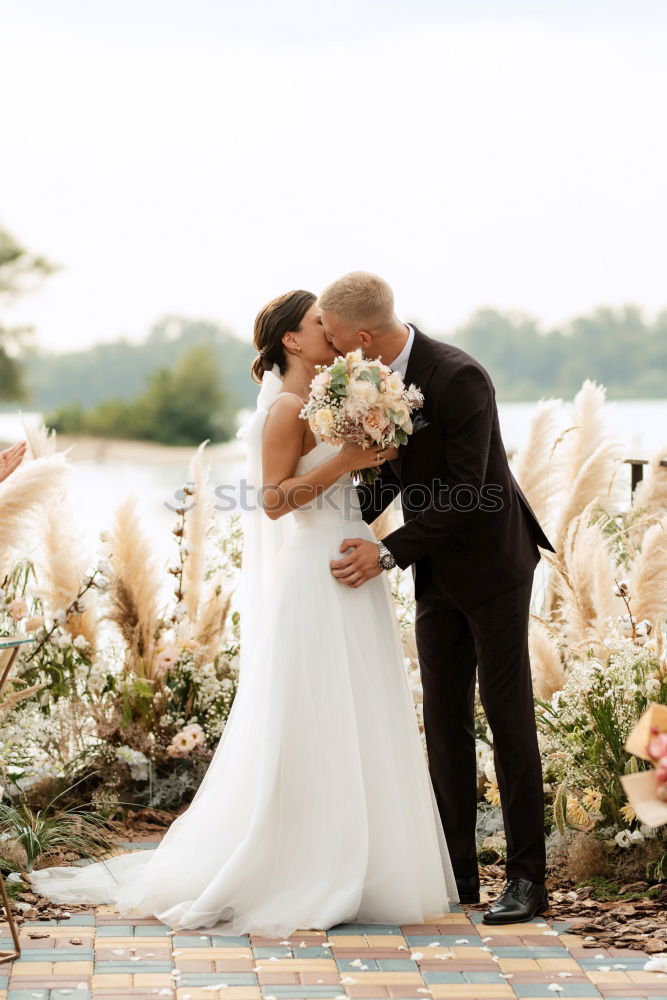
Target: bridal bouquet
363	402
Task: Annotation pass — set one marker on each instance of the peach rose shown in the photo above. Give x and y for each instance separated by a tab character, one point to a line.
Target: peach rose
375	424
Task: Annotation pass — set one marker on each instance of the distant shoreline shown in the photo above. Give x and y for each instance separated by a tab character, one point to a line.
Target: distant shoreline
96	449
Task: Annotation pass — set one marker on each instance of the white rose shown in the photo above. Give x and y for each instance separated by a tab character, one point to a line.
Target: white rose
362	392
324	420
321	381
401	413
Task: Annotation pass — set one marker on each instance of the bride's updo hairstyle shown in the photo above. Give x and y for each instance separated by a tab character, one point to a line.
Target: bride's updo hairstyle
282	315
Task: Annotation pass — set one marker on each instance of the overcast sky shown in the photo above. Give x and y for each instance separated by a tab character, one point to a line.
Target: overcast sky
203	156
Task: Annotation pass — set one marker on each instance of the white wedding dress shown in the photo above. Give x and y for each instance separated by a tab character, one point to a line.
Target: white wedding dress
317	808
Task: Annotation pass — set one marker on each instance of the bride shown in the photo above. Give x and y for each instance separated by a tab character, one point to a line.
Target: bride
317	808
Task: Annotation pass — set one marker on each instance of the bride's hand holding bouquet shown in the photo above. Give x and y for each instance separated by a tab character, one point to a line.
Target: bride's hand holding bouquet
356	458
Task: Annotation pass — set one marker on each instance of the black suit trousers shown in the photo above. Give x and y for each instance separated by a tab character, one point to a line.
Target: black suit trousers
492	638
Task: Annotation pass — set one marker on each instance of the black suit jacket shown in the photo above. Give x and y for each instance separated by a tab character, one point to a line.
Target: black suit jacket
469	531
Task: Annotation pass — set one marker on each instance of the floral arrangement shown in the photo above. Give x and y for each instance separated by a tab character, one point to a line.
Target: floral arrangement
361	401
584	729
124	688
597	641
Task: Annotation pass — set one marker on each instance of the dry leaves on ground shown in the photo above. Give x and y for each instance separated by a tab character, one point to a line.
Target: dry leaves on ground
640	924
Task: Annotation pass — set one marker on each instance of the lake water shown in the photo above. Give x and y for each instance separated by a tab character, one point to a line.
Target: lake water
97	486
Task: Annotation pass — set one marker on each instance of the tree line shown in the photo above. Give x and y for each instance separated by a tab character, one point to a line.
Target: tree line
186	380
619	348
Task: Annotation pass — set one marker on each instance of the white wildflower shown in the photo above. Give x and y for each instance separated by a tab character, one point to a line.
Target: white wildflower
137	761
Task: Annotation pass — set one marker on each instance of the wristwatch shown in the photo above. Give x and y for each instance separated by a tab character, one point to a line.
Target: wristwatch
385	560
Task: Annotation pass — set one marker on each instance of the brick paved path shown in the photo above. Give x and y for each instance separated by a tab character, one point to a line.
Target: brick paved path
100	955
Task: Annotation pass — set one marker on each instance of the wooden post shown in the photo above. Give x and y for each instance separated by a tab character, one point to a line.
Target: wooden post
637	470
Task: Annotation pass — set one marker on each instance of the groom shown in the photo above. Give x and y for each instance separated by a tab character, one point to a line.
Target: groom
472	541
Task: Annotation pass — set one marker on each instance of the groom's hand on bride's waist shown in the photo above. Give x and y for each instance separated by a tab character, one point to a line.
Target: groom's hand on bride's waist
359	564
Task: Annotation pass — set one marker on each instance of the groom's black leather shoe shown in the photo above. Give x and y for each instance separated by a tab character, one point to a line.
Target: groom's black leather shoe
468	889
520	900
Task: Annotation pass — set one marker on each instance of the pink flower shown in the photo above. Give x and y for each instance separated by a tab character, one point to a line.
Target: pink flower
661	770
167	658
657	748
34	622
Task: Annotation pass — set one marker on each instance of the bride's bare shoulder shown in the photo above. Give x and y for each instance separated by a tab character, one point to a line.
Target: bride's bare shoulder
283	420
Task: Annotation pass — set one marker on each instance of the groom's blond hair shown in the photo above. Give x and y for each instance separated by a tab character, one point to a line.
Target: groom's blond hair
361	299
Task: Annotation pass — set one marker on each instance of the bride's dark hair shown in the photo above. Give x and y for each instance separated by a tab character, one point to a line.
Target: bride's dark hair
282	315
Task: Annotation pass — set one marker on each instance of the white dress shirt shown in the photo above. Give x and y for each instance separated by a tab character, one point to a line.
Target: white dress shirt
400	365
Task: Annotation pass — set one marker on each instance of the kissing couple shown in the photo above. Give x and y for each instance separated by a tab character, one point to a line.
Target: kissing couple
319	806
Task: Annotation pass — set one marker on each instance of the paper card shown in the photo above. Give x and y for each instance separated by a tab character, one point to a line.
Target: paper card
642	792
638	740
